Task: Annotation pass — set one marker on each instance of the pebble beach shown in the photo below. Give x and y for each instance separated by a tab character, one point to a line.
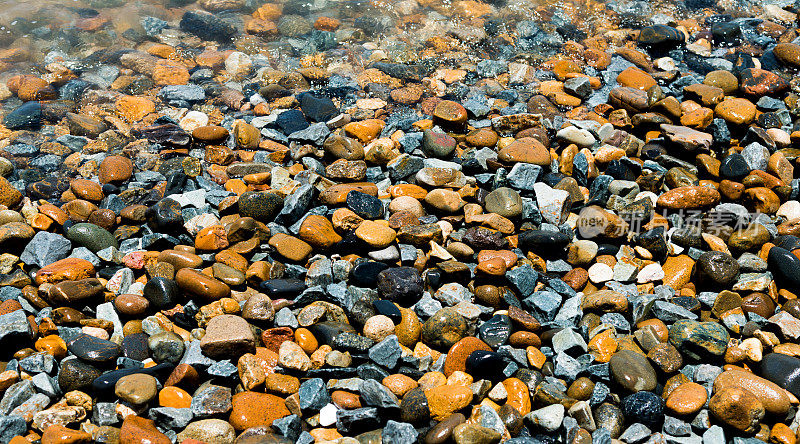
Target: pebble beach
408	222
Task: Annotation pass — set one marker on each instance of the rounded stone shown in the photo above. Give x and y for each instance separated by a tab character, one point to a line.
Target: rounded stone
378	328
400	284
166	346
505	202
137	429
737	408
687	399
719	267
261	206
632	371
227	336
161	293
459	352
138	388
251	409
699	340
643	407
442	330
201	285
91	236
209	431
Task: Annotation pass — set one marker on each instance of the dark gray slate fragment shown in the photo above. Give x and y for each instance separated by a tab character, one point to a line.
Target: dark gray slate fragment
16	395
386	352
15	327
46	248
11	426
171	417
399	433
357	420
313	395
376	394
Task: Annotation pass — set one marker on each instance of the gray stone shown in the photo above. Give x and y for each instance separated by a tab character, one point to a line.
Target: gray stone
295	205
188	93
675	427
375	394
636	433
427	306
320	272
15	327
714	435
16	395
307	438
314	134
45	384
453	293
601	436
107	312
756	155
669	312
105	413
570	342
399	433
404	165
11	426
32	405
289	427
567	367
544	303
285	318
45	248
222	369
547	418
387	352
195	198
524	279
523	176
553	204
490	419
570	311
153	26
171	417
37	363
578	86
313	395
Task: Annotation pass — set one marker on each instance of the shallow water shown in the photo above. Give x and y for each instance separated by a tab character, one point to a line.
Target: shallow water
406	29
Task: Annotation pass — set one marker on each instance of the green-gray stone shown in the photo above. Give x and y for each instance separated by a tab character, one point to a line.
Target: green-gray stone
437	144
91	236
504	201
261	206
699	340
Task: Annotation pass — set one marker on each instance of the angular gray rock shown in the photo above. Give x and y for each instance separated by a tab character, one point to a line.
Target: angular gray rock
45	248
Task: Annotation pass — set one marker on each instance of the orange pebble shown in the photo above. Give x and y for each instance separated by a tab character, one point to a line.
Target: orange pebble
306	340
174	397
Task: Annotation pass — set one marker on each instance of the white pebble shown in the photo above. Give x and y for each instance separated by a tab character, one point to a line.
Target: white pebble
193	120
789	209
599	273
327	415
650	273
